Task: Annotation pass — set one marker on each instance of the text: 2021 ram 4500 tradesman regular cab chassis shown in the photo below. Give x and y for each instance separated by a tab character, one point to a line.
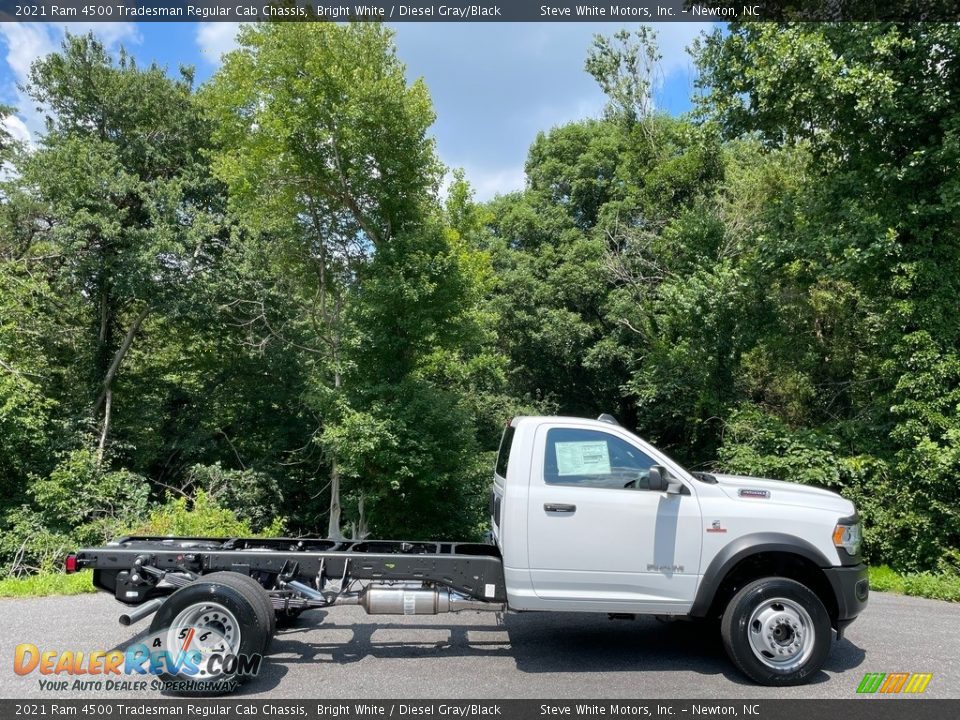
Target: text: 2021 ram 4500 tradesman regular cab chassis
586	517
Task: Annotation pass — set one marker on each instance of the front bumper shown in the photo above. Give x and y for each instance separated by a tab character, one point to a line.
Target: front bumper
851	589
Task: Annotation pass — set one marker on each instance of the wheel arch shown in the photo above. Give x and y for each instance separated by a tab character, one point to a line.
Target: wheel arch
758	555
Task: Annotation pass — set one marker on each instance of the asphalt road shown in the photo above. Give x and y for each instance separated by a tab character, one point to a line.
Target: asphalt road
347	654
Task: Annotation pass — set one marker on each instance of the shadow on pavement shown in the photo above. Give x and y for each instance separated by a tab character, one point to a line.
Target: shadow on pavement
537	642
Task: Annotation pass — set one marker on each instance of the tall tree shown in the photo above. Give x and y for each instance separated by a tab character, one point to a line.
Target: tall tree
122	196
626	66
324	147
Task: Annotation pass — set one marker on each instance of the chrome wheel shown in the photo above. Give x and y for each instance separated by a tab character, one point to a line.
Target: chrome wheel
208	628
781	634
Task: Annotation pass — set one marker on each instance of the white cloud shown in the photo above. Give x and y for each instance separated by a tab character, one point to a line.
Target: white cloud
216	38
490	182
26	42
16	127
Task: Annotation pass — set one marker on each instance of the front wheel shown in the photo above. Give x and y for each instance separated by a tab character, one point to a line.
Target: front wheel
776	631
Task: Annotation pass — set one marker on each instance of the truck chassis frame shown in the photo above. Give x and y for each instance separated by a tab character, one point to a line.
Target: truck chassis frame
299	573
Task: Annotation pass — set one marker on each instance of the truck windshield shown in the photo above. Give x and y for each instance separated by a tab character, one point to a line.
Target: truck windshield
503	458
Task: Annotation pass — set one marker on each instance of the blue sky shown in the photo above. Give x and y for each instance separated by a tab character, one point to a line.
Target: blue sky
494	86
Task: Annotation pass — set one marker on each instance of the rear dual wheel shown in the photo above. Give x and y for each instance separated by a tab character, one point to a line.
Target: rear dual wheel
206	627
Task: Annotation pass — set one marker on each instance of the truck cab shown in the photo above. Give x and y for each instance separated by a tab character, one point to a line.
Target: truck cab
590	517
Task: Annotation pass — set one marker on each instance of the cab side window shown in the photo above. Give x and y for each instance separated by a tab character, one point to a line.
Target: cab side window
592	458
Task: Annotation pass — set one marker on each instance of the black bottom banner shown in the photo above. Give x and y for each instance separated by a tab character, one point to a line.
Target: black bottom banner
875	708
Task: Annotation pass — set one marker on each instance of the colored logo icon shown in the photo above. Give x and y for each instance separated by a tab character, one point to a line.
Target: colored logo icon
891	683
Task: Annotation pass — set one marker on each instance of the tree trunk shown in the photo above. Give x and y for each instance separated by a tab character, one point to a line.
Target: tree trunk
333	526
104	316
361	530
104	337
105	400
107	408
118	358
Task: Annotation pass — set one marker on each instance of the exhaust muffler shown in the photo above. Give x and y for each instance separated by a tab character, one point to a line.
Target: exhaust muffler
415	600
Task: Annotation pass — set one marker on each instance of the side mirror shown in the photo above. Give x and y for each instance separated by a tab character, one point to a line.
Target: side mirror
660	481
658	478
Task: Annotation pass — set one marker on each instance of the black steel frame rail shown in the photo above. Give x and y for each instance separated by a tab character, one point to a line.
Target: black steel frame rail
472	569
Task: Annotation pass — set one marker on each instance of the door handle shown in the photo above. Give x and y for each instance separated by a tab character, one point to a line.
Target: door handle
559	508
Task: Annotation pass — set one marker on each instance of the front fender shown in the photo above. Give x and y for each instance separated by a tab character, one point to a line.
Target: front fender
740	549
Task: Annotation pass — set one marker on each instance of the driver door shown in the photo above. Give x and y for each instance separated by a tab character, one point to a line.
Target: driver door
598	537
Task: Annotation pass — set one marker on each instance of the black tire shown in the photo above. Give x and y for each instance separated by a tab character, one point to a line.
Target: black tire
265	607
231	592
776	643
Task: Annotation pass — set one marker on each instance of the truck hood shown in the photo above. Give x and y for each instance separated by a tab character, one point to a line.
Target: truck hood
762	490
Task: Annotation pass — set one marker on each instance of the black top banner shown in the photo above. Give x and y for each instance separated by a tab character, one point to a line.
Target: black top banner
464	11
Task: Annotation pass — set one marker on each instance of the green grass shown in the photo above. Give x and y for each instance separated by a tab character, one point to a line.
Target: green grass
48	583
928	585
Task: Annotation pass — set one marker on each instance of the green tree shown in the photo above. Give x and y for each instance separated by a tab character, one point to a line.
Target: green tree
625	65
120	189
121	359
866	267
324	148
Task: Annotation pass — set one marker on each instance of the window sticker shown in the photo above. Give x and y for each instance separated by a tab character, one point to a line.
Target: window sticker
583	458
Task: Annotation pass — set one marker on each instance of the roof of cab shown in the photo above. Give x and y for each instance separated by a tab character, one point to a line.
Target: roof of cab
564	419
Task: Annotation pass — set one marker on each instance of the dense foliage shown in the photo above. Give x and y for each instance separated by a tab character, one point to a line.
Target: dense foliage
245	308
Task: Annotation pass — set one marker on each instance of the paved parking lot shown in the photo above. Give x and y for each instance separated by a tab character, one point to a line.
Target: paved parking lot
344	653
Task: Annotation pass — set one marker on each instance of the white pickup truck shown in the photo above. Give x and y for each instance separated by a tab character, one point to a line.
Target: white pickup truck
586	517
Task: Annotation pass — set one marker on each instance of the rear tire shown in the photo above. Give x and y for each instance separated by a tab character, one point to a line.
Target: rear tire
222	609
776	631
255	589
